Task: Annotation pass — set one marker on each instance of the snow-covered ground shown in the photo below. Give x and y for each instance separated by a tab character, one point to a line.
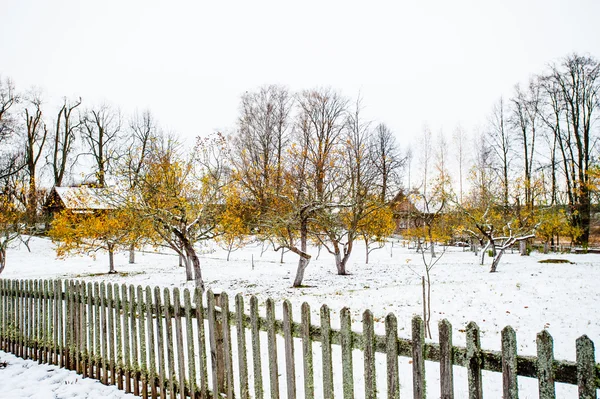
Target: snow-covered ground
528	295
28	379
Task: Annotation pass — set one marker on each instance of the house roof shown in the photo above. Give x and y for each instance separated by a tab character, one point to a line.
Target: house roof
84	197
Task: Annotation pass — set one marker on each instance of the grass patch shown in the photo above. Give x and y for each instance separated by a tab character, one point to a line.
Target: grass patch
556	261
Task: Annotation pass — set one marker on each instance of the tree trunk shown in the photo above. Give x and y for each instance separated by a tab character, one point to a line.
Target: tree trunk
2	259
496	260
366	252
111	259
189	272
304	257
192	257
523	247
546	247
228	253
132	254
180	260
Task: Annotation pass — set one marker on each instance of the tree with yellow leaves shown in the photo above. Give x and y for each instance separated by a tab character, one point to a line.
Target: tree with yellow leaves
375	227
233	225
88	232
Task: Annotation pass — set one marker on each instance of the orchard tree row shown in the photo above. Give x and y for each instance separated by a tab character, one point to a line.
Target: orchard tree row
306	168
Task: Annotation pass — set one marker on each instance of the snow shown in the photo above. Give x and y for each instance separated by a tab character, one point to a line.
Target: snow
528	295
28	379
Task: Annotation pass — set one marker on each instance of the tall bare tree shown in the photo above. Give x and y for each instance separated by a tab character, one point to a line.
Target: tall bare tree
385	156
36	133
501	143
63	140
100	130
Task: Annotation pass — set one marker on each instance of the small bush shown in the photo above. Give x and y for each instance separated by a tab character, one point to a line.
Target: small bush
555	261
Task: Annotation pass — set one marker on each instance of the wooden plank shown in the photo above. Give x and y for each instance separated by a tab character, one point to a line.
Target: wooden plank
391	345
90	329
545	365
256	359
142	341
241	346
474	361
38	319
191	354
120	369
169	343
77	327
272	349
60	332
326	352
290	369
151	346
510	386
27	330
160	312
57	320
3	313
346	344
212	337
227	346
201	342
418	347
446	360
104	328
179	342
307	354
112	332
126	340
369	355
134	341
586	368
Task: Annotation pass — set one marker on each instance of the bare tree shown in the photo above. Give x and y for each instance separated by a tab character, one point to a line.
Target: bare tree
100	130
63	140
459	139
386	158
36	133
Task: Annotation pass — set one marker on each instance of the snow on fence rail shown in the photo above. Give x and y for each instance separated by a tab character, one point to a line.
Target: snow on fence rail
129	337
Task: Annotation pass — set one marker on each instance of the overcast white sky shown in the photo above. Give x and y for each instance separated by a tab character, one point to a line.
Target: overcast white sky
438	63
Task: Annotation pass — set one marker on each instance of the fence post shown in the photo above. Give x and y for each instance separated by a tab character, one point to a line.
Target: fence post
347	344
369	355
190	342
151	344
326	355
134	341
446	360
241	345
545	365
160	342
90	361
104	321
113	331
256	363
169	339
214	332
509	363
272	348
391	345
309	384
586	368
179	342
289	350
201	342
474	361
418	347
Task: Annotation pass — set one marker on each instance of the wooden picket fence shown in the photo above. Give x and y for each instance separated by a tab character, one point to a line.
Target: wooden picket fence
149	343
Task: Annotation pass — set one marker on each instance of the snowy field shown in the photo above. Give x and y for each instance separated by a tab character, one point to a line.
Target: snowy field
528	295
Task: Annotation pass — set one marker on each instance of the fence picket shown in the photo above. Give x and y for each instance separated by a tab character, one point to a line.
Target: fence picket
169	342
326	352
212	336
134	341
446	360
152	377
241	346
346	343
119	336
510	386
474	361
586	367
126	340
91	328
256	363
391	345
290	369
418	346
272	347
61	342
162	373
190	343
307	355
545	365
104	328
369	355
179	343
77	326
143	367
112	331
201	342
